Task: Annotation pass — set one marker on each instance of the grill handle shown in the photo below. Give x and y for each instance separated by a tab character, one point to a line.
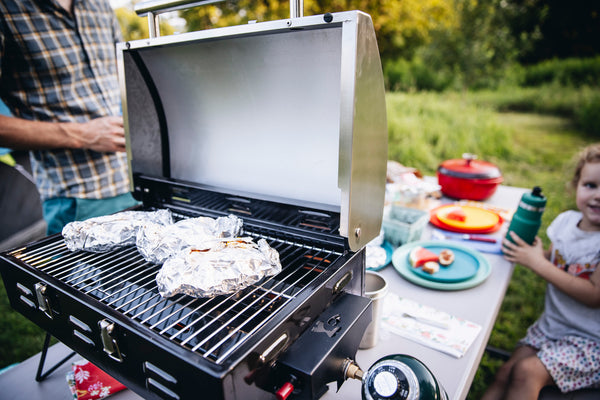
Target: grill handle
153	9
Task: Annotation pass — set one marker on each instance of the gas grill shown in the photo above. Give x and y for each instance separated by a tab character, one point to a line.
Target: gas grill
280	123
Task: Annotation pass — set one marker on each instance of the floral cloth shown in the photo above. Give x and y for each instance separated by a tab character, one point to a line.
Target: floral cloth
88	382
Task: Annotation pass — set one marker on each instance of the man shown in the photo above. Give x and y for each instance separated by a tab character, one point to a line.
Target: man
58	78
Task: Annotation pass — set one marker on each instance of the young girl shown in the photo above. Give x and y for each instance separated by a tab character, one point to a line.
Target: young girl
562	348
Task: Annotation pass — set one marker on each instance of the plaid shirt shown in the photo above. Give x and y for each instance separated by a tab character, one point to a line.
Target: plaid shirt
61	67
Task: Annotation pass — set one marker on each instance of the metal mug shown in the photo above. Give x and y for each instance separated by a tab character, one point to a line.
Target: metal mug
375	288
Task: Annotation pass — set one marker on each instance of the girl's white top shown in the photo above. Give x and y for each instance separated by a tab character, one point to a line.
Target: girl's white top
578	253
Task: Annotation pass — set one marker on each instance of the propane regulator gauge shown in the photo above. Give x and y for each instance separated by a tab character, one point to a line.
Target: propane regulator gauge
400	377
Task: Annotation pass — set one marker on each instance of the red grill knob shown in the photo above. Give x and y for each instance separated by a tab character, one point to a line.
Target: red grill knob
284	391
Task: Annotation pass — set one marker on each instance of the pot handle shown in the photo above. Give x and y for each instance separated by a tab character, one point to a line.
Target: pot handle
468	157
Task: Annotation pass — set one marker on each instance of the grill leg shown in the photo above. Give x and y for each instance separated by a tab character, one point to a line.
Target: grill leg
39	376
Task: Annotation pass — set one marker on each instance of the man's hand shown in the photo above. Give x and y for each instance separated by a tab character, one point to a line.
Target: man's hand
105	134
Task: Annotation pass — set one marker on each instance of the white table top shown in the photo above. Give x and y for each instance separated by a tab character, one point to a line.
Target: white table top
479	304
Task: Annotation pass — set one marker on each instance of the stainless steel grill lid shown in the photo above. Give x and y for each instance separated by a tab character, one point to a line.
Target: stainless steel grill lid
291	111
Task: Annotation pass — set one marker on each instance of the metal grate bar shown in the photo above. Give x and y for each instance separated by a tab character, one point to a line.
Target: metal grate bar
59	267
98	264
100	267
34	255
149	277
141	271
154	296
179	320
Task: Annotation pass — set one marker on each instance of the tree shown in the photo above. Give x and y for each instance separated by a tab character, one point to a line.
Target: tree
477	48
401	26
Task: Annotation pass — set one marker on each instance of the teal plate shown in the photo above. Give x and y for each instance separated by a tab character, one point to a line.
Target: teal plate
464	267
471	258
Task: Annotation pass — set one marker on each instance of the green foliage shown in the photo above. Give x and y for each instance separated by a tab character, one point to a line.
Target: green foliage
588	114
568	72
425	128
581	105
406	76
476	50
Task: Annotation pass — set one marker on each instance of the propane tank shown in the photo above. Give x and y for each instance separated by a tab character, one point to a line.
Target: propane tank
528	218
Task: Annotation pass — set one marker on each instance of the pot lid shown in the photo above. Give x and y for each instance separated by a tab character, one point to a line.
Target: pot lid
469	167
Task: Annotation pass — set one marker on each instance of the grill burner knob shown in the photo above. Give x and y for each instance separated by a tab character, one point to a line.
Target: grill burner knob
400	377
284	391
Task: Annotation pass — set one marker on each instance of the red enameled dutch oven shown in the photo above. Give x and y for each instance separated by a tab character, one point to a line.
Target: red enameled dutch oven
468	178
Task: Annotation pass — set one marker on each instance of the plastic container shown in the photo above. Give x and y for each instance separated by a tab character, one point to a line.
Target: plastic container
404	225
528	218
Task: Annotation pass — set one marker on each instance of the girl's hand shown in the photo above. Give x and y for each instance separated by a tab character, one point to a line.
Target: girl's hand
523	253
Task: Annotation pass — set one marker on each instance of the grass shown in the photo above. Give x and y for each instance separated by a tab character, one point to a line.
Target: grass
425	129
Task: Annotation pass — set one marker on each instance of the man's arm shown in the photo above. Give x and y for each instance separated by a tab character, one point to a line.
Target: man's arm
104	134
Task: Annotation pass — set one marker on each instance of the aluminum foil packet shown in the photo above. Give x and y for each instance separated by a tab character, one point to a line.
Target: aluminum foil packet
227	266
156	243
108	232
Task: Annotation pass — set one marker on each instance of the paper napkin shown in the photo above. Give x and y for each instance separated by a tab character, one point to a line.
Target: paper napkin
428	326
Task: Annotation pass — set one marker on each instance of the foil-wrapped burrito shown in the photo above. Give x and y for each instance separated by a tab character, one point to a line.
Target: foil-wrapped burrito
108	232
228	265
156	242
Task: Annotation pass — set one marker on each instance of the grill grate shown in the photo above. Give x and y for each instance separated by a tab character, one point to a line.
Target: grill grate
211	327
308	220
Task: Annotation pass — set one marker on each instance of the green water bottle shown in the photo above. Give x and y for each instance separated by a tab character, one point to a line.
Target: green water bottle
528	218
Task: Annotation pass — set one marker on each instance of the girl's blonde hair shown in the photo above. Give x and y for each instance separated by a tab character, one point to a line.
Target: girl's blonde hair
591	154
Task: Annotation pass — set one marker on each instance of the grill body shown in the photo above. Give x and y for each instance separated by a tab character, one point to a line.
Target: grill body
280	123
106	307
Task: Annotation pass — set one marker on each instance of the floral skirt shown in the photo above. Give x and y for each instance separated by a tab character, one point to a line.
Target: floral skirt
572	362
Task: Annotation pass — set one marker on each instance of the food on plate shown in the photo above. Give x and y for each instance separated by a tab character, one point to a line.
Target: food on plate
431	267
446	257
420	255
457	214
